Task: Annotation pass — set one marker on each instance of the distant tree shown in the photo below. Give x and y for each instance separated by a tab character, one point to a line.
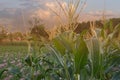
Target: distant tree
38	31
10	37
17	35
3	33
98	23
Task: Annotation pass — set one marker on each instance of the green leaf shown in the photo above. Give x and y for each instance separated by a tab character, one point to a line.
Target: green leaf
80	55
29	60
1	72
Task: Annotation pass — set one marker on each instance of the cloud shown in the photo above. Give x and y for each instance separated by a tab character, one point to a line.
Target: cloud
96	15
20	13
43	14
11	11
32	8
4	21
100	13
50	4
55	6
47	13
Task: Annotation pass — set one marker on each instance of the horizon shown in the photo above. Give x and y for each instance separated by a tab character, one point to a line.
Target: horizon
15	14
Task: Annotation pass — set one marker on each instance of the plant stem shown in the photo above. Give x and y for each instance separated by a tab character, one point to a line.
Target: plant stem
78	75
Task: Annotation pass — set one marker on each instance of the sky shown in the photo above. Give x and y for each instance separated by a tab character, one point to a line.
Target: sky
15	14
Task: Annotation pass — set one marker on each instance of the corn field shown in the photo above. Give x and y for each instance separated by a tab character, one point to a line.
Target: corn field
94	54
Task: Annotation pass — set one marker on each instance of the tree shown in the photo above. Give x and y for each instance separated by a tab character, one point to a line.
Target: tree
10	36
38	31
17	36
3	33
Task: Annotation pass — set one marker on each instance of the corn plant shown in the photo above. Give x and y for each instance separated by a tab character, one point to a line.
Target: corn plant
71	56
70	14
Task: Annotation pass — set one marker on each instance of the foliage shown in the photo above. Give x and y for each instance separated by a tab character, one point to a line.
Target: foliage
98	23
90	55
71	57
12	62
3	33
38	31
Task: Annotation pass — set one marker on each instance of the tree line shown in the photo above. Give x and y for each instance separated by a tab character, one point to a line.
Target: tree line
38	31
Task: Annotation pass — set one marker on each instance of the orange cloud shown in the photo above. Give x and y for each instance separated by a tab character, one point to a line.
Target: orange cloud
43	14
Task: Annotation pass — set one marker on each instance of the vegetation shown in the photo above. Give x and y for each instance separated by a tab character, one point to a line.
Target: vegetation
3	33
38	30
71	57
99	24
91	54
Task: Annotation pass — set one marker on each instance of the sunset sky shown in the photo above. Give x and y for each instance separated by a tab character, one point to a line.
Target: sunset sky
17	13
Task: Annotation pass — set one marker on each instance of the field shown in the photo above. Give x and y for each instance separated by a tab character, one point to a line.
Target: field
69	56
69	51
12	57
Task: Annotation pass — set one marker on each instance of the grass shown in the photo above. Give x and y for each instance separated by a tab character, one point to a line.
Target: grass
13	43
13	49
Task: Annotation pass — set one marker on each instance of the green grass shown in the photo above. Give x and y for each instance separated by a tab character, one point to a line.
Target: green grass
13	49
13	43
